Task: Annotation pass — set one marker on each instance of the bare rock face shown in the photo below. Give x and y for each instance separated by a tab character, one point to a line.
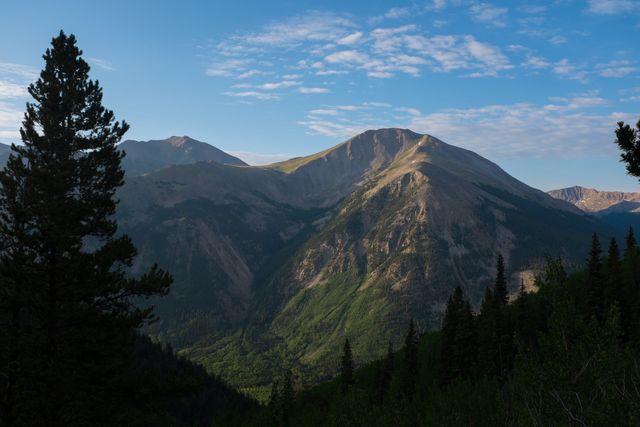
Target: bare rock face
618	209
276	265
146	156
594	201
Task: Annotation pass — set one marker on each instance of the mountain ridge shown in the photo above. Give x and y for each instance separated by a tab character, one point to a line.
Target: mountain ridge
274	265
146	156
592	200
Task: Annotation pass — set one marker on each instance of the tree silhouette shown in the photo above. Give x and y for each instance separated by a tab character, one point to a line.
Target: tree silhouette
71	317
346	367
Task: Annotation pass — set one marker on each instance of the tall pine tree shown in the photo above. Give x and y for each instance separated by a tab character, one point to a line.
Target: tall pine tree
410	363
500	292
595	285
346	367
70	318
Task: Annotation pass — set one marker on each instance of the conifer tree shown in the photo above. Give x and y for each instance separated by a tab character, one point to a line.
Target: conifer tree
382	378
287	400
466	348
410	364
631	247
387	370
500	292
346	368
630	290
613	286
274	404
71	319
628	141
488	335
595	286
450	369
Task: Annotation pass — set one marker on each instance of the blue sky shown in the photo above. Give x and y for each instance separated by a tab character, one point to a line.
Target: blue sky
535	86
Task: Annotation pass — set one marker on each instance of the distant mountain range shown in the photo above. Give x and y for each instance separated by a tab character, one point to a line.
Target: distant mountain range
146	156
616	208
275	265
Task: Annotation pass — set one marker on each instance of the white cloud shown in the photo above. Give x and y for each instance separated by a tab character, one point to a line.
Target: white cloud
380	74
251	73
101	63
347	57
313	90
565	69
278	85
616	68
397	12
332	45
331	72
558	40
489	14
228	67
613	7
411	111
253	94
524	130
18	70
350	39
344	121
10	121
324	112
12	90
536	62
314	26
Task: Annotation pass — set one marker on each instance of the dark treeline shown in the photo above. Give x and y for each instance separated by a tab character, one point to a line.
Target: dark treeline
70	352
565	353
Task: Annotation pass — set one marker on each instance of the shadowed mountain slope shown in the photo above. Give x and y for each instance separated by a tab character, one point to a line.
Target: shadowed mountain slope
276	265
146	156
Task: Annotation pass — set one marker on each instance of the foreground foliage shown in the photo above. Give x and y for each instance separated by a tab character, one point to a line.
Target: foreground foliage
567	354
70	354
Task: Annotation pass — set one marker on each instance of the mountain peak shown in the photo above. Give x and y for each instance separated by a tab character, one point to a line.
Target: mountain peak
592	200
146	156
179	141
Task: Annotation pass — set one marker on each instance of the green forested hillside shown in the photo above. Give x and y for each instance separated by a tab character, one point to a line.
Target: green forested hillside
566	354
274	265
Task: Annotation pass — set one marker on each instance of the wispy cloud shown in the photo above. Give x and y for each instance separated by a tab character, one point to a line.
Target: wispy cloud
524	129
101	63
344	121
253	94
314	26
489	14
570	71
10	120
617	68
332	45
20	71
352	38
228	68
613	7
313	90
495	131
12	90
252	73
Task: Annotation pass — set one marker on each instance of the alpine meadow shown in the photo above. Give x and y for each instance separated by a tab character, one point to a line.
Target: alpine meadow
404	214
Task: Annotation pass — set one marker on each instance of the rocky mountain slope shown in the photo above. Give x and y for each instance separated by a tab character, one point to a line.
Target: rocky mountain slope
146	156
618	209
276	265
5	150
592	200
